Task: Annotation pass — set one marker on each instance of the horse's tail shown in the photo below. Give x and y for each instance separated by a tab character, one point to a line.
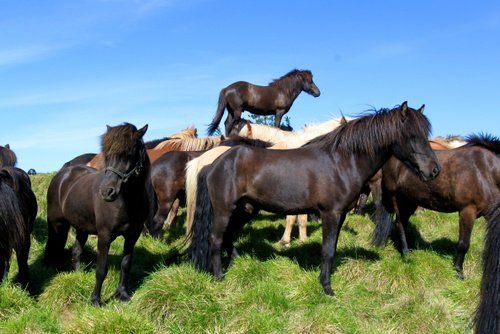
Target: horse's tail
218	115
487	318
199	249
191	187
383	225
13	230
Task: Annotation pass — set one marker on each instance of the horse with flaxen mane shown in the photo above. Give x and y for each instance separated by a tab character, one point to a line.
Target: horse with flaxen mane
469	183
275	99
7	157
327	176
168	176
186	140
18	209
108	203
281	140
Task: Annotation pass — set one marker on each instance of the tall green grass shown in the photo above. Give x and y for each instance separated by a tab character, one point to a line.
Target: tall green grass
269	289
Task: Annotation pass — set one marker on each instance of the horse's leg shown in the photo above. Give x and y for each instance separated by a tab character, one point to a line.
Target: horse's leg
103	243
164	207
76	251
302	227
278	116
173	212
219	227
128	249
4	269
331	224
466	222
22	254
229	123
402	216
286	238
57	237
363	198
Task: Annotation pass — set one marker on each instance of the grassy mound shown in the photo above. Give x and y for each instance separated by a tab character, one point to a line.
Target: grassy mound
269	289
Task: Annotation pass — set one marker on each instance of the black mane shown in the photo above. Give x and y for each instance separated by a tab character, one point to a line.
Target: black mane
153	143
486	140
235	140
291	78
377	129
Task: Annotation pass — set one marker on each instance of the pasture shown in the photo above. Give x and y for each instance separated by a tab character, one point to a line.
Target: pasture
269	289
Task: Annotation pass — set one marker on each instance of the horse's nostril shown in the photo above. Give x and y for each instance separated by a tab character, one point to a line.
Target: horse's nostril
435	171
110	192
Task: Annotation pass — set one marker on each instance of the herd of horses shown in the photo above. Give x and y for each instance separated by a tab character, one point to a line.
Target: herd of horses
328	169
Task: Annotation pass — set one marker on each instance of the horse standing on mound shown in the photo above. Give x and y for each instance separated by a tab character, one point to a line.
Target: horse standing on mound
18	209
469	183
109	203
275	99
324	176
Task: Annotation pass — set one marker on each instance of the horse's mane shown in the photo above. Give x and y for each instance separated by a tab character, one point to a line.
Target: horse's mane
369	131
189	144
288	139
189	132
120	140
153	143
488	141
7	157
289	80
235	140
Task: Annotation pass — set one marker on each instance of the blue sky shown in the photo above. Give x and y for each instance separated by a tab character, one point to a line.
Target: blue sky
68	68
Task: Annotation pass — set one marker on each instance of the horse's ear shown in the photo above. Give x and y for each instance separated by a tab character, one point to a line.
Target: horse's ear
222	138
7	146
404	109
108	127
249	129
142	131
343	120
422	108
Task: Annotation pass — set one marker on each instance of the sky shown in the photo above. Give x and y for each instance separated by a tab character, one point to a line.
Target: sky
68	68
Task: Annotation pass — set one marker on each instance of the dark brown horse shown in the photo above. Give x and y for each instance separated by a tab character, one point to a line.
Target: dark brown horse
275	99
168	177
18	209
7	157
324	176
109	203
469	183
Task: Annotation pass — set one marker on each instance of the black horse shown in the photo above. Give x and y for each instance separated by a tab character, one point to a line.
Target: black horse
469	183
324	176
112	202
18	209
7	157
275	99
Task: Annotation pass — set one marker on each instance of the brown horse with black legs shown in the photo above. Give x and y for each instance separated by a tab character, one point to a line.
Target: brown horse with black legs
18	209
109	203
275	99
7	156
168	176
469	183
324	176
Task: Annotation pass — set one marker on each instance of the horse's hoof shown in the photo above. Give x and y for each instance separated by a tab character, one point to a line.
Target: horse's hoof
284	243
460	275
122	295
328	291
96	302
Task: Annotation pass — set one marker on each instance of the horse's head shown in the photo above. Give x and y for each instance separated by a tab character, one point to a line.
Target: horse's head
308	84
125	157
413	147
7	156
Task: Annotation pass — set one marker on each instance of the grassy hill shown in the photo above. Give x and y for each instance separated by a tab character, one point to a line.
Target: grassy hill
269	289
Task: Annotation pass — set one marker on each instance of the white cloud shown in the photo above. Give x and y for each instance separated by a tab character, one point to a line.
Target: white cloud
27	54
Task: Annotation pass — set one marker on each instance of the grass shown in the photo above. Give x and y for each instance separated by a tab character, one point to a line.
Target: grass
269	289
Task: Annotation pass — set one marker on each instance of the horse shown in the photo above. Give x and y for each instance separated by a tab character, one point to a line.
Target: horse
374	185
469	183
18	209
487	319
275	99
7	157
186	140
168	177
281	140
324	176
108	203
